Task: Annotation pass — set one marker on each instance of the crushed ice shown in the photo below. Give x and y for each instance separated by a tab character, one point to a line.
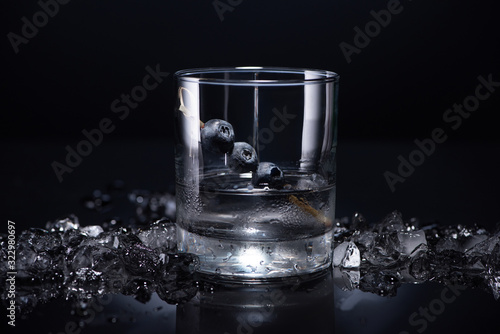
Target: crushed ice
395	251
74	262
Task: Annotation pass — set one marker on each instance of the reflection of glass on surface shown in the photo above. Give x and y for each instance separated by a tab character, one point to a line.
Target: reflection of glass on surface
300	305
274	218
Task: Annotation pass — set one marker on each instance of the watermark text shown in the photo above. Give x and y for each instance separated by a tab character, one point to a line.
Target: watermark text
10	282
453	117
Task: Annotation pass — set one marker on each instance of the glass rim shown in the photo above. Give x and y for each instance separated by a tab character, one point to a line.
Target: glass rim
193	75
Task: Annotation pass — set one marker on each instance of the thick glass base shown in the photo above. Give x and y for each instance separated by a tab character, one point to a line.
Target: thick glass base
258	259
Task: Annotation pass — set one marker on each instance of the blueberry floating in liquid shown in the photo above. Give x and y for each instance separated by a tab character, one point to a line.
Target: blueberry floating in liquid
243	158
268	174
217	136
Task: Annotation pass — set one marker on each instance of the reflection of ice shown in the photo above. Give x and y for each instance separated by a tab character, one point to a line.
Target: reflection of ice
354	298
494	283
346	279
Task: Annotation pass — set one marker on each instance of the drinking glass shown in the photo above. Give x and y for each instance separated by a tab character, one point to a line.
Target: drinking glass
255	156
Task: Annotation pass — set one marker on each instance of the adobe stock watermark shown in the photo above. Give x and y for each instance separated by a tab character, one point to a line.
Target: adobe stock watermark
277	124
420	320
453	117
121	107
372	29
10	281
30	28
223	6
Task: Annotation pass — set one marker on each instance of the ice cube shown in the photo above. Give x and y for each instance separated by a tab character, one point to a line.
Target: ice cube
176	282
384	249
161	233
40	240
392	222
346	255
139	259
419	268
92	230
42	263
339	253
26	256
472	241
3	253
448	243
365	239
86	279
410	242
62	225
83	258
481	245
71	239
494	259
494	283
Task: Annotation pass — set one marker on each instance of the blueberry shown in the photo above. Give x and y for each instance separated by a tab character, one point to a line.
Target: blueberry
217	136
243	158
268	174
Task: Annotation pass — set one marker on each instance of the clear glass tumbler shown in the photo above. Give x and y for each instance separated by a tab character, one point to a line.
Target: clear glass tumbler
255	169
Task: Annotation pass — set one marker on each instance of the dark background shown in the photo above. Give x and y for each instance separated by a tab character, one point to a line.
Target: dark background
394	91
428	57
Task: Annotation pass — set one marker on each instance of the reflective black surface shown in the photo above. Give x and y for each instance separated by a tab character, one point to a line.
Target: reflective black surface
463	194
294	305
